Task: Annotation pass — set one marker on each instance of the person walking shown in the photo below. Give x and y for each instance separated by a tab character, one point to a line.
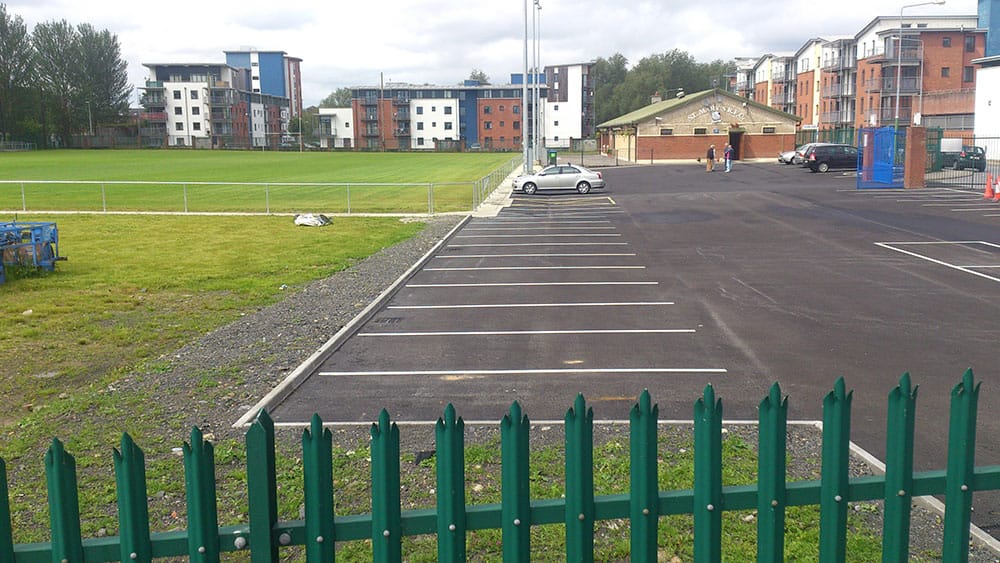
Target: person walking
710	159
727	156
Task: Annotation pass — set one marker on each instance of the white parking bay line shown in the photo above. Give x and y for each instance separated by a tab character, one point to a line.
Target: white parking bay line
581	371
541	235
479	229
526	284
535	305
533	332
541	244
537	255
473	269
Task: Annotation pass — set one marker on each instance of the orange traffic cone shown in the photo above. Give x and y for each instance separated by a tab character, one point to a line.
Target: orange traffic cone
996	191
988	194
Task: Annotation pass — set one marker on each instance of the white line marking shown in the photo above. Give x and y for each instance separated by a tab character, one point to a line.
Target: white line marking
536	268
542	244
520	284
533	332
546	235
939	262
533	305
541	255
522	371
533	228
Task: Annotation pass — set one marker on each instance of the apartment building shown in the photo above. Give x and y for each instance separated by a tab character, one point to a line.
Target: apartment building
988	78
568	108
335	129
272	72
240	104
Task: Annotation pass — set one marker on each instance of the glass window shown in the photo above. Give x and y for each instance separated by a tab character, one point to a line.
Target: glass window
447	126
666	131
487	125
177	94
447	110
517	125
516	109
700	131
968	74
946	41
195	110
420	126
178	126
970	43
768	130
196	126
194	94
178	110
945	72
487	110
420	110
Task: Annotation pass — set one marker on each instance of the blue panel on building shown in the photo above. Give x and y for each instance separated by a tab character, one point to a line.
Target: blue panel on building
989	18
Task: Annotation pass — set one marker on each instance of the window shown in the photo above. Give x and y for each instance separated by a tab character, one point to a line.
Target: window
700	131
501	108
177	94
196	126
178	126
420	110
195	110
447	126
434	123
555	124
945	72
555	107
517	125
768	130
420	126
194	94
970	43
487	110
946	41
178	111
516	109
487	125
501	124
666	131
968	74
447	110
433	109
420	141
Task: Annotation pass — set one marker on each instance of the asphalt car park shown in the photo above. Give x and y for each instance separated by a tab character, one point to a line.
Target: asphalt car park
671	279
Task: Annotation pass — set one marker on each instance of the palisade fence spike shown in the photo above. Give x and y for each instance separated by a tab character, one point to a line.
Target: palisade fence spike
961	469
579	515
644	505
450	456
515	504
708	477
835	477
202	509
64	504
6	529
771	474
317	470
262	488
133	508
900	417
387	530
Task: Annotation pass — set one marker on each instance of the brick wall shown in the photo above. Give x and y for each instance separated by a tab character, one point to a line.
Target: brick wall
680	147
505	126
869	73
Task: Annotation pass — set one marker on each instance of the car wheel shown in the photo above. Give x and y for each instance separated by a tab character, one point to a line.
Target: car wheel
823	167
982	167
583	187
530	188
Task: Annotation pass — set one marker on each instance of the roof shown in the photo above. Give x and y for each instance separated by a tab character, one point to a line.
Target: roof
657	108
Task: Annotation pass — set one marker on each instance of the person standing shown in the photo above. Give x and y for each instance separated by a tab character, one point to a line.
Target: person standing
727	156
710	159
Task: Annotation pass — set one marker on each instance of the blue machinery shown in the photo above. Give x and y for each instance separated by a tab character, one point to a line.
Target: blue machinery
28	244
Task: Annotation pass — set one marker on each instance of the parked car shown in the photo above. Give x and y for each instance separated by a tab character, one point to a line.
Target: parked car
969	157
560	177
794	156
826	156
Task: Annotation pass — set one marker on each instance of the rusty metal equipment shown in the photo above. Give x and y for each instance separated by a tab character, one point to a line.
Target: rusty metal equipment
29	244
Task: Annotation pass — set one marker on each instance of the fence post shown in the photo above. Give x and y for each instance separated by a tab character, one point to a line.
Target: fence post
199	486
267	198
133	508
834	480
24	199
580	482
644	502
515	493
6	529
899	471
771	471
961	458
64	504
104	199
708	477
317	469
451	524
262	496
185	198
348	199
430	199
387	527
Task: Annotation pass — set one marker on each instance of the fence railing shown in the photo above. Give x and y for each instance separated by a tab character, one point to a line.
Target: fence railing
251	197
264	535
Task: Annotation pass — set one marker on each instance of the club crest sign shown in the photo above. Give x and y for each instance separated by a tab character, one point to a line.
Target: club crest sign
716	111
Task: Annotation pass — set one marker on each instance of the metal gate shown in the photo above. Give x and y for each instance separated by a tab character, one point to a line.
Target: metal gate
964	162
881	153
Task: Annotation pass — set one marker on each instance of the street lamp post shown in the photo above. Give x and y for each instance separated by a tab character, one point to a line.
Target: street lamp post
899	54
90	119
537	98
524	98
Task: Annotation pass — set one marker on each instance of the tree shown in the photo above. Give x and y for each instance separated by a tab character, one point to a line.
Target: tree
15	70
103	75
480	76
341	98
57	51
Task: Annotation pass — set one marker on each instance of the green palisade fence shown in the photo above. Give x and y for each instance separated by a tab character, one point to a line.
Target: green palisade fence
264	536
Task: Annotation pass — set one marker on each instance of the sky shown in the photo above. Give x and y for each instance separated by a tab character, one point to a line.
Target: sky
440	42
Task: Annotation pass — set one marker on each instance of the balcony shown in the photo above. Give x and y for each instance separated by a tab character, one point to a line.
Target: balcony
839	117
908	84
842	90
888	114
152	100
873	85
909	55
369	100
153	84
154	117
832	63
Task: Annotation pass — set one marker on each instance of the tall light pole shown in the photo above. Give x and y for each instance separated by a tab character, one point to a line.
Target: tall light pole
899	54
536	104
90	119
524	98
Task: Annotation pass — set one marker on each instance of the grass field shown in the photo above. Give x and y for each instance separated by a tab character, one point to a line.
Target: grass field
260	182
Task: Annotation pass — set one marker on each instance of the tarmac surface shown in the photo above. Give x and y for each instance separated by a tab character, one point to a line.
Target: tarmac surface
673	278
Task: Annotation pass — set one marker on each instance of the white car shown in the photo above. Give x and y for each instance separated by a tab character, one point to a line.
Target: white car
560	177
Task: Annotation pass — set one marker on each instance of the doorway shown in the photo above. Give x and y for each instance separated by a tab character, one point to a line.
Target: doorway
736	140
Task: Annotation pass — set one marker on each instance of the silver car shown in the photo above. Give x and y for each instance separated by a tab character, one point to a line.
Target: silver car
559	177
